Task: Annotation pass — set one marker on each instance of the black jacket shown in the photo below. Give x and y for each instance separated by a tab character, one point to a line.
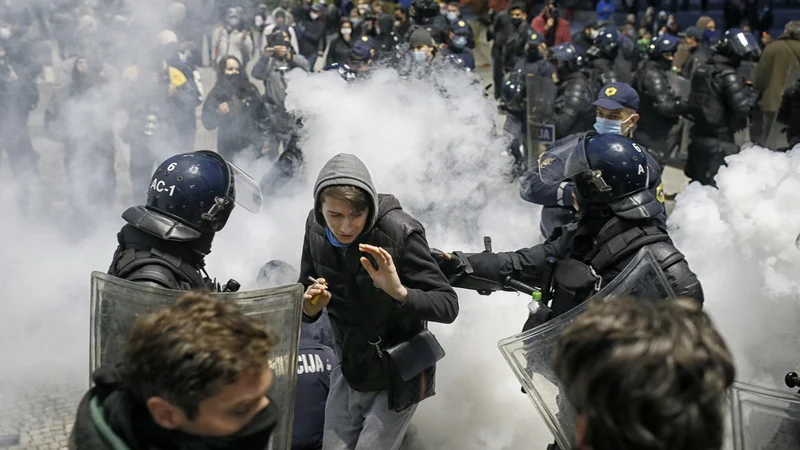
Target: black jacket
601	72
660	107
310	35
355	299
339	53
721	101
579	242
699	55
573	108
514	48
242	128
789	113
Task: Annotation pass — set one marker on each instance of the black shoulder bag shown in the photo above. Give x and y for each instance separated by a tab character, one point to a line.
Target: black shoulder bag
409	367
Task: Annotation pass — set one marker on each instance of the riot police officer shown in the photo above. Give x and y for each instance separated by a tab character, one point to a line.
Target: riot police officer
513	96
660	107
533	61
616	109
572	108
720	104
190	198
459	36
615	220
601	58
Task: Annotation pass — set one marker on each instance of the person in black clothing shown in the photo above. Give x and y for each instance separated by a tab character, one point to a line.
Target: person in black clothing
572	108
515	45
194	375
533	61
426	15
601	57
190	198
314	366
234	105
458	42
371	307
311	34
616	212
402	23
385	40
500	32
585	38
339	51
720	104
660	107
699	51
789	113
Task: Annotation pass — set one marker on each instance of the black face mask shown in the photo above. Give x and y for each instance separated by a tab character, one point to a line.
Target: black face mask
255	434
532	54
516	22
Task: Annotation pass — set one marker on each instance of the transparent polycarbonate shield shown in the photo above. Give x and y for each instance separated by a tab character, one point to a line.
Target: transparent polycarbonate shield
763	418
530	353
680	85
541	93
564	161
248	192
116	303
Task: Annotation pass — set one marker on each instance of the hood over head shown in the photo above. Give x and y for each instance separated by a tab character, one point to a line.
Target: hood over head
345	169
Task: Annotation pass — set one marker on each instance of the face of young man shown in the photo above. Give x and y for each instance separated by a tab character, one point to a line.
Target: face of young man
233	406
344	222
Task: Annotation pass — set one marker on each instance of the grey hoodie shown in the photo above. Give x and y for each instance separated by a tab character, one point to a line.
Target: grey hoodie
345	169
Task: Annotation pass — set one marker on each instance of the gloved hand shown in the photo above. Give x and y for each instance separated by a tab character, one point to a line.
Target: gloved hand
450	264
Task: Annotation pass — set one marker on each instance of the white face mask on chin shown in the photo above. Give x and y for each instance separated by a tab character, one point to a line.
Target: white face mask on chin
314	16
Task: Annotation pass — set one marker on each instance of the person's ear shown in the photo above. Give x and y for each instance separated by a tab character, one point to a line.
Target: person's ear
634	118
165	414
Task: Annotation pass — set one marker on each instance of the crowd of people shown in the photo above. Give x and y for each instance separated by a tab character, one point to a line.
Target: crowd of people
622	102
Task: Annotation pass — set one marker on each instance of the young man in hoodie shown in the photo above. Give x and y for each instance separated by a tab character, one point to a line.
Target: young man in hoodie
371	306
195	375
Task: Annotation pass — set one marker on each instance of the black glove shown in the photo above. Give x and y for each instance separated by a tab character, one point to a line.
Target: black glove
453	267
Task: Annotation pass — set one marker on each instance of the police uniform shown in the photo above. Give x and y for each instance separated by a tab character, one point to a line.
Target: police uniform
460	30
532	61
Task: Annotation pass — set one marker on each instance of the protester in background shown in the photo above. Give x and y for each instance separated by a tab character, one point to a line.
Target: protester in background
610	362
231	39
235	106
339	51
778	59
281	22
605	10
585	38
708	26
514	47
694	51
311	34
554	28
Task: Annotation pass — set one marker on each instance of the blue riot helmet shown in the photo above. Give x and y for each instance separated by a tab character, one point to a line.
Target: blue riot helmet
199	189
607	43
607	169
739	45
567	57
513	93
663	49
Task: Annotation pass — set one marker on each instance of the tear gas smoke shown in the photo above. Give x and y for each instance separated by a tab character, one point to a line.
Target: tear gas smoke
739	240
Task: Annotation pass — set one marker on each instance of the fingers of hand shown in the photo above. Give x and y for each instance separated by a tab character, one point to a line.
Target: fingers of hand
387	258
447	256
367	266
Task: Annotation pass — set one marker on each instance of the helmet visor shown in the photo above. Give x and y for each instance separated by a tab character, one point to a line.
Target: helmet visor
247	192
564	162
744	43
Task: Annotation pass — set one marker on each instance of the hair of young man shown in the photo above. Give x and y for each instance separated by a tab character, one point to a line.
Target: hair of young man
354	196
185	353
646	375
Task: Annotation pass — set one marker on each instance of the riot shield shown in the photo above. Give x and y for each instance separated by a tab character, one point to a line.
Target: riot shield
541	93
776	137
117	303
530	353
764	419
682	86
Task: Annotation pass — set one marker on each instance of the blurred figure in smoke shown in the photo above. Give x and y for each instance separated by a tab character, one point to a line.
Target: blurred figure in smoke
160	96
235	106
282	130
19	95
195	375
611	363
190	198
81	115
281	24
339	51
422	53
64	19
311	34
373	308
232	39
721	103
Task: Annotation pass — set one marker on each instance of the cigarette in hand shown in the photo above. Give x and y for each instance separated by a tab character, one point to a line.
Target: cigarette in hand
316	297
